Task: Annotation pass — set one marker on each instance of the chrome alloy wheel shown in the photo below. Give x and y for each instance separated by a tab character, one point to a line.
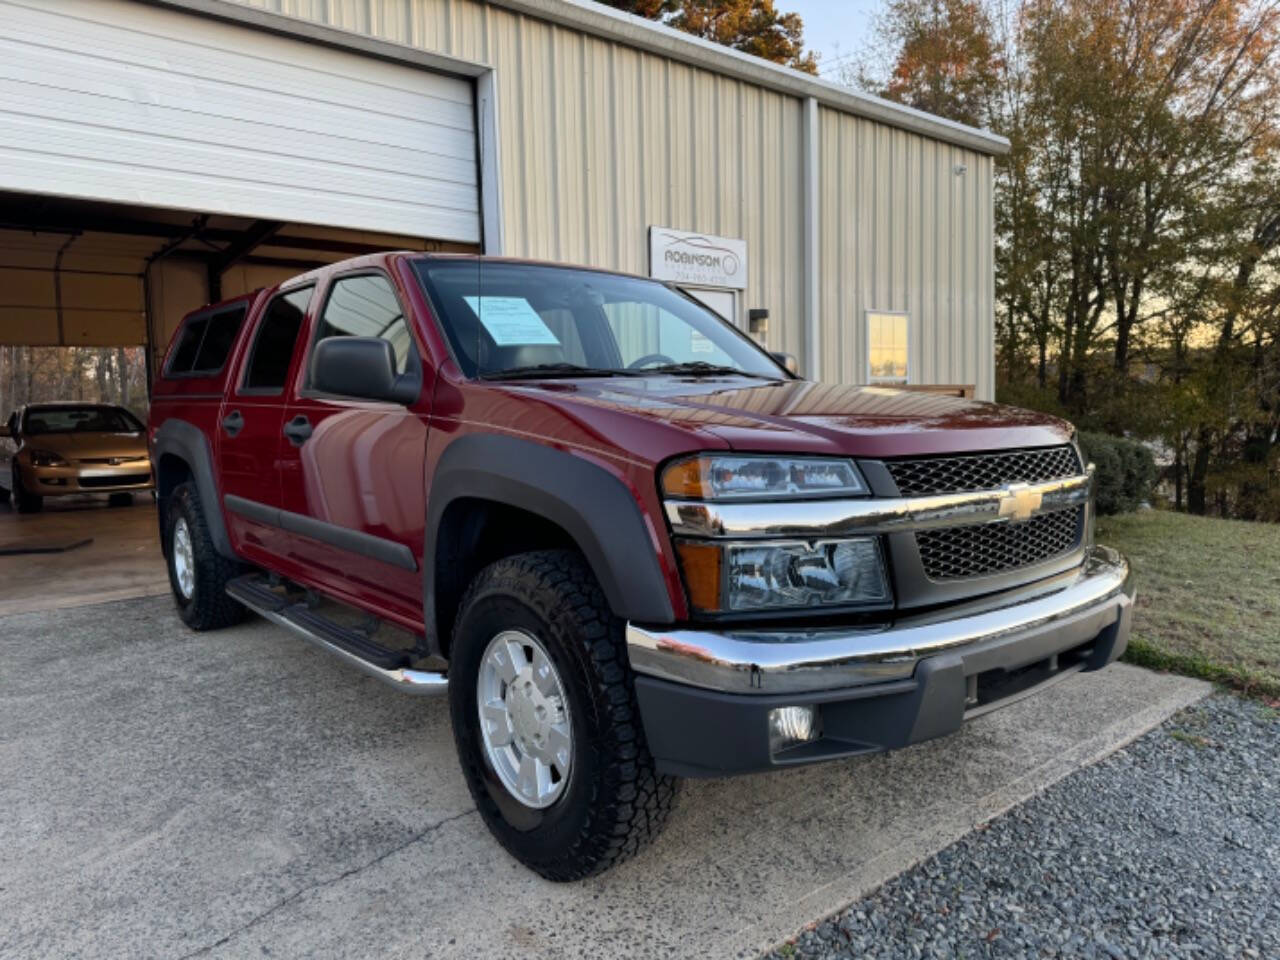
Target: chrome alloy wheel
184	559
524	718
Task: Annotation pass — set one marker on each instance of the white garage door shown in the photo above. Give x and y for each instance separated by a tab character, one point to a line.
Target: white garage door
120	101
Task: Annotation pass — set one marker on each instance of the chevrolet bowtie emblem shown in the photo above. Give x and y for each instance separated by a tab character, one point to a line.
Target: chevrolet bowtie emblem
1019	502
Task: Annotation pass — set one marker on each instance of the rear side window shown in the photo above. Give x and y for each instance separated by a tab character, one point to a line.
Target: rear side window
366	306
205	343
184	357
274	342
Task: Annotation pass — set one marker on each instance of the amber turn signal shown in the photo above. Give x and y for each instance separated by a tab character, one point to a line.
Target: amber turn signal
686	479
700	564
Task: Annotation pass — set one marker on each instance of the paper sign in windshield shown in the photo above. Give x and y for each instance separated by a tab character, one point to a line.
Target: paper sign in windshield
512	322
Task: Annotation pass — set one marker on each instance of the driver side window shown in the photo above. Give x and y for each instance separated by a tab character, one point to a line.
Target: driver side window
644	330
366	306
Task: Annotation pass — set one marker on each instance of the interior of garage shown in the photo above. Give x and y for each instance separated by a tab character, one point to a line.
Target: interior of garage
77	273
89	274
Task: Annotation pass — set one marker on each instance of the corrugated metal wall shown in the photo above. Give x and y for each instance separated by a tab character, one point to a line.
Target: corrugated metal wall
598	141
901	230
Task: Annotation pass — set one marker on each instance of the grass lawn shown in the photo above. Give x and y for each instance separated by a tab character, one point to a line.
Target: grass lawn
1208	596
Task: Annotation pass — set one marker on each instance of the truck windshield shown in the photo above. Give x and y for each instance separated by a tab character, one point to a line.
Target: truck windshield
510	320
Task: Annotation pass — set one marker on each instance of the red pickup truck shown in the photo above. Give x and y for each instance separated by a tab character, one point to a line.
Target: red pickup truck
628	543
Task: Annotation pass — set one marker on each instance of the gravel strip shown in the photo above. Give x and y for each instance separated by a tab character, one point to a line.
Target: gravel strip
1168	848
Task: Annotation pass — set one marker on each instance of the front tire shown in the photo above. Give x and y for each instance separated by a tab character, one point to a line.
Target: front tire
593	799
198	574
24	501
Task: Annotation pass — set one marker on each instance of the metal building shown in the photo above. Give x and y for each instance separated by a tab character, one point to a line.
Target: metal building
155	155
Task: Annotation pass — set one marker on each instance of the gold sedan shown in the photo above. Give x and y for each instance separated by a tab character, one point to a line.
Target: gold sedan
67	448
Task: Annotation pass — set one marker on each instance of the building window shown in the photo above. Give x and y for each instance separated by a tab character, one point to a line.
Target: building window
887	347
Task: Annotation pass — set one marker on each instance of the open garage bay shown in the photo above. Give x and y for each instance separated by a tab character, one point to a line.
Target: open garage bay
173	794
76	551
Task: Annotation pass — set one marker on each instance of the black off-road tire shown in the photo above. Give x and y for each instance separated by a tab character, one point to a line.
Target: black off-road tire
24	501
615	802
209	607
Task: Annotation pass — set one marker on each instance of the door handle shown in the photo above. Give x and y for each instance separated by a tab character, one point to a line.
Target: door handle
297	430
233	423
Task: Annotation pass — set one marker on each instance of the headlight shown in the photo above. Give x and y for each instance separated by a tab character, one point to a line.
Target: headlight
723	477
46	458
779	575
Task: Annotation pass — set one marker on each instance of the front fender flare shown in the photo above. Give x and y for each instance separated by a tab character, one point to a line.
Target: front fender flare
592	505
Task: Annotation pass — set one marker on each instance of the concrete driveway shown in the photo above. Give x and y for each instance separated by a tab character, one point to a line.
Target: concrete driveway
170	794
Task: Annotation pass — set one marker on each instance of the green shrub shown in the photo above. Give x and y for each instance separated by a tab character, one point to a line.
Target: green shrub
1126	471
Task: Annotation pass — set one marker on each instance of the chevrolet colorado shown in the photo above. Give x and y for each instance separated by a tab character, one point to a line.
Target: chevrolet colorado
625	541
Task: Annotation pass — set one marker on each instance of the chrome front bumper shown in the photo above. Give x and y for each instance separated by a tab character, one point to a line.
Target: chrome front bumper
1012	629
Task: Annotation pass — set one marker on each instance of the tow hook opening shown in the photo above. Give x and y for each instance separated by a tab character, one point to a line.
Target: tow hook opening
993	687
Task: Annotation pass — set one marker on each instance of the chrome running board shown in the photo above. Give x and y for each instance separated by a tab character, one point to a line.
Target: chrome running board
388	665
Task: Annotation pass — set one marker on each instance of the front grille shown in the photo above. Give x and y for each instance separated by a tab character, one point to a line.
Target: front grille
982	471
119	480
974	551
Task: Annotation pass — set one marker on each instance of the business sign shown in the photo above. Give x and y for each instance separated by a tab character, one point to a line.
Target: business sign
697	259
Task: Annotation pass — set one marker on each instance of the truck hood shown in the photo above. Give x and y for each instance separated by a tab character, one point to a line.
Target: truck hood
802	416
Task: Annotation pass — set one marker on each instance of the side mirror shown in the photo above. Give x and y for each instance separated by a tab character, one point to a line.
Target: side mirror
361	367
788	360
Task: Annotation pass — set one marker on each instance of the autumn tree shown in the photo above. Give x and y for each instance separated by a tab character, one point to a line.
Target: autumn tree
945	58
1137	213
752	26
97	374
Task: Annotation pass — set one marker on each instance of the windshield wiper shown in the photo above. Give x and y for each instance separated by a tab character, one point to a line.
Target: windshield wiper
702	368
551	370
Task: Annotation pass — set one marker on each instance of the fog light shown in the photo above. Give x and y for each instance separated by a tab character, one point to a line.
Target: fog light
790	726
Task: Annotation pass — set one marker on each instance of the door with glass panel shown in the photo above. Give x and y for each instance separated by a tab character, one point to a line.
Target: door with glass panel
353	484
248	435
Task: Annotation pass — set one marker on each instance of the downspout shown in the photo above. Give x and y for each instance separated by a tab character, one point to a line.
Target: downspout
811	251
492	238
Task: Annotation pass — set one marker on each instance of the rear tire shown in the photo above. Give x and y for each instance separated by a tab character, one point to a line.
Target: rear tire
198	574
23	500
612	801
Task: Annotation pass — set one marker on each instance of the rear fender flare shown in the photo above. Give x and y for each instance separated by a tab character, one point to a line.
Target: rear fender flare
188	442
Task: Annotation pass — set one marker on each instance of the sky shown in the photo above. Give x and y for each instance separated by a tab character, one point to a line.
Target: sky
834	28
